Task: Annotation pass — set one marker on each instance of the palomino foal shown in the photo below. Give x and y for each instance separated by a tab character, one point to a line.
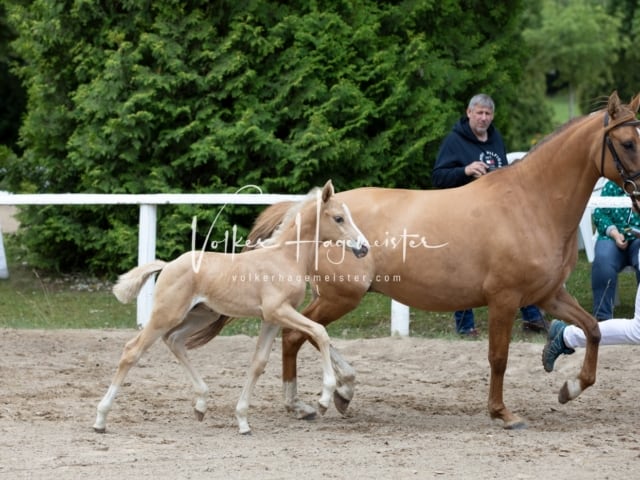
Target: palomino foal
198	289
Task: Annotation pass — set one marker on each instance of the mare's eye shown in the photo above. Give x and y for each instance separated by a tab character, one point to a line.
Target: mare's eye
338	219
628	145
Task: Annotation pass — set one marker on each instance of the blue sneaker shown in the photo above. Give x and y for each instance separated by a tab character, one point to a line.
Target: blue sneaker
555	345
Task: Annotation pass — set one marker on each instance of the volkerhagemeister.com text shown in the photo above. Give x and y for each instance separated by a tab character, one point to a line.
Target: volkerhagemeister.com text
315	278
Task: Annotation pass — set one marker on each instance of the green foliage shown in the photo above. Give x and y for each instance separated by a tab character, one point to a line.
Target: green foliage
579	41
200	96
626	76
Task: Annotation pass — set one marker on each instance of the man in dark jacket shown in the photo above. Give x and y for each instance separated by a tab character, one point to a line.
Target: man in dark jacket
474	148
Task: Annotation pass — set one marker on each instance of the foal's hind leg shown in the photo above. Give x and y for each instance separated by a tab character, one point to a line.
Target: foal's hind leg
133	350
195	321
268	332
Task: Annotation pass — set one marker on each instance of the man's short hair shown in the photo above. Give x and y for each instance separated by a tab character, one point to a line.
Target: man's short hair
483	100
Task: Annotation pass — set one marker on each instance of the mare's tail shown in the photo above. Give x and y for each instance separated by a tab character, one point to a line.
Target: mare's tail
264	226
204	336
130	283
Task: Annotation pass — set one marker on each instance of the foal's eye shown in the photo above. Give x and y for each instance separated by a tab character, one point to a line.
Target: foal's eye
338	219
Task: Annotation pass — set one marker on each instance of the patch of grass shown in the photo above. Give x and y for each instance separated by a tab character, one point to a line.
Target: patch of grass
33	299
30	299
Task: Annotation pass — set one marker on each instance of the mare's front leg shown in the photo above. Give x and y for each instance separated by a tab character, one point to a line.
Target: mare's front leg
501	317
324	309
565	307
268	333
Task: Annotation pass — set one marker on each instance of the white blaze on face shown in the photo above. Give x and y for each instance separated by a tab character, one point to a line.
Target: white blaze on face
362	240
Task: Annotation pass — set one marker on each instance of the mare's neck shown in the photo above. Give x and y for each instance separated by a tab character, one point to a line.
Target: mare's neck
562	171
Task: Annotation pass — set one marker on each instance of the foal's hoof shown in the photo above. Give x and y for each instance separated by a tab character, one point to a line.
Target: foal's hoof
248	433
99	430
309	416
322	409
199	415
341	403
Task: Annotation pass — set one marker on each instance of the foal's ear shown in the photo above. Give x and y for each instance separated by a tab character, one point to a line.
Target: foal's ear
327	191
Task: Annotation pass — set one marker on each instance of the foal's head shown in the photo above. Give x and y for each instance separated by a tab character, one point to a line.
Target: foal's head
335	223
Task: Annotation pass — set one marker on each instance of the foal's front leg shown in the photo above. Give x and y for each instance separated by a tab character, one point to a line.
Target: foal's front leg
268	332
289	317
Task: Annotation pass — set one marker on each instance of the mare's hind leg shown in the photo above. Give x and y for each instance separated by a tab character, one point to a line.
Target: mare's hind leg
268	333
501	317
133	350
324	309
195	321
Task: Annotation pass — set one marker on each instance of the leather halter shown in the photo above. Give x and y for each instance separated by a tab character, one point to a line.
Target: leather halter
629	179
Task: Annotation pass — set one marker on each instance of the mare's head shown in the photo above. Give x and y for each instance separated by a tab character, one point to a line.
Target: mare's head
620	157
335	223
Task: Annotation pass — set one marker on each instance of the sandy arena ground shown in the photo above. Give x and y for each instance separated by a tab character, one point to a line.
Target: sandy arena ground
419	412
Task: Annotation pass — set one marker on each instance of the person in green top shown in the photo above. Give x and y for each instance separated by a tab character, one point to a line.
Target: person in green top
616	248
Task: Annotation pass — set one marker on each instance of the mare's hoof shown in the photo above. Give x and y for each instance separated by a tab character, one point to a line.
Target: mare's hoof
99	430
248	433
322	409
199	415
516	425
341	403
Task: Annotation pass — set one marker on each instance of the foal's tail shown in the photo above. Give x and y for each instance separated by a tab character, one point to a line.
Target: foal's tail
130	283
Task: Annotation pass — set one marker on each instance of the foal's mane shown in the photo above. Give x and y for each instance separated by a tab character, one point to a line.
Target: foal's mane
290	216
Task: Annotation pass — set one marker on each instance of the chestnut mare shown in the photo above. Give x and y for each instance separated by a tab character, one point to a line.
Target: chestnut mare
200	290
505	240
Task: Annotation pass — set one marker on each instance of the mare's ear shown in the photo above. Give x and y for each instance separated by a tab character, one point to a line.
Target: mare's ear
635	103
613	107
327	191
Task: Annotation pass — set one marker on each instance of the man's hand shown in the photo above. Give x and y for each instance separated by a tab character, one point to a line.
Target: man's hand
475	169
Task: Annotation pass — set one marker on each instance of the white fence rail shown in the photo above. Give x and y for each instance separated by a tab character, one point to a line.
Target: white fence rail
147	228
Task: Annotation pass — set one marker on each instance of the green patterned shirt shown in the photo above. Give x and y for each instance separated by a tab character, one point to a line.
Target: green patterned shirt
622	218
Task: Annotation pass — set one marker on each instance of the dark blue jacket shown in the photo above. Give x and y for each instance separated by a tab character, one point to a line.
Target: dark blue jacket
460	148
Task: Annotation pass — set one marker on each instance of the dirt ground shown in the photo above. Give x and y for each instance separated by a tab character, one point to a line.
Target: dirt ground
419	412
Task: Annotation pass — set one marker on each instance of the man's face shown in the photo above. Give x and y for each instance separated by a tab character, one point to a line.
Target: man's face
480	117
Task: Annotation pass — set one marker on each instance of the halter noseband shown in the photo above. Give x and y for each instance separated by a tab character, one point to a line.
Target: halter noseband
629	179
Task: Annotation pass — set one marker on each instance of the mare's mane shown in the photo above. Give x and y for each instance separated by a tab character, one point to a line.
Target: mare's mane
290	216
553	135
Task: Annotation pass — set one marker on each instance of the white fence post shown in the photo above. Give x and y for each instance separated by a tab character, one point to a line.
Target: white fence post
4	271
146	254
399	319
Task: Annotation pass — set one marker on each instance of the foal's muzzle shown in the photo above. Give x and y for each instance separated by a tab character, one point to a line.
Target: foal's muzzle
359	247
360	251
